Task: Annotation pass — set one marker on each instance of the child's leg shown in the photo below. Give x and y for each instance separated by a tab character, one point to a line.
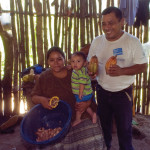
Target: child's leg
78	118
92	114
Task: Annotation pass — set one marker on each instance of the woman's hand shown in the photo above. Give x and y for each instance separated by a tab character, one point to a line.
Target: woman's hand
82	106
45	103
41	100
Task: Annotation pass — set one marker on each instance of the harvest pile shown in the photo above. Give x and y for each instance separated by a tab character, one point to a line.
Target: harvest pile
45	134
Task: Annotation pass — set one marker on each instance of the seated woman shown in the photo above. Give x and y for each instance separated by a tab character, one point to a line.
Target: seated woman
56	81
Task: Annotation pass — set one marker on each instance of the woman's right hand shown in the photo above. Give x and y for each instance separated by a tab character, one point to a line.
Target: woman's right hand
44	101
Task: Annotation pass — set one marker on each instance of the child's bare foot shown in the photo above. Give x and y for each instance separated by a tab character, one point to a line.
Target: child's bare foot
94	118
76	122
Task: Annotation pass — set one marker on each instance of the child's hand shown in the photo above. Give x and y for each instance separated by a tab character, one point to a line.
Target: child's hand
69	67
80	96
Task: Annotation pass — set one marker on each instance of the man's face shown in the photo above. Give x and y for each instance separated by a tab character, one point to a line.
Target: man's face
112	26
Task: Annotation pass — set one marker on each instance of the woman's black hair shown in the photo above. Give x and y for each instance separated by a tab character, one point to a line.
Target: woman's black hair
114	10
55	49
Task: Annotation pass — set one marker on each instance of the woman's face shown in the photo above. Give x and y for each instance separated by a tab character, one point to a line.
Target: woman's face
56	61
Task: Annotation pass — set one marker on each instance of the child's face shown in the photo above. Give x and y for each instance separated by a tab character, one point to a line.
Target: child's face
77	62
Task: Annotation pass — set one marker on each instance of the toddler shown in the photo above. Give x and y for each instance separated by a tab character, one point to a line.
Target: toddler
81	84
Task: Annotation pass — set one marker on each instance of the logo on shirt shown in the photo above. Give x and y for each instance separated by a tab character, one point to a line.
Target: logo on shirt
117	51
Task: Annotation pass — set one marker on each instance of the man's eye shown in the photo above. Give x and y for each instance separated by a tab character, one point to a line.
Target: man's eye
111	23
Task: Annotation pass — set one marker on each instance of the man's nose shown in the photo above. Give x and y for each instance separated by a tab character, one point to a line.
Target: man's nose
106	26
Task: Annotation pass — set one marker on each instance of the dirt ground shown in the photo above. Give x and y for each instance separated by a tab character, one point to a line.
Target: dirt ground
141	137
141	133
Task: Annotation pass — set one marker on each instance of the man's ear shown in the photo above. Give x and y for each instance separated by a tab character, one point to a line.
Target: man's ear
123	22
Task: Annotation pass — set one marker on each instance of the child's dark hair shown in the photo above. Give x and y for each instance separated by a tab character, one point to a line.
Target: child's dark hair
55	49
81	54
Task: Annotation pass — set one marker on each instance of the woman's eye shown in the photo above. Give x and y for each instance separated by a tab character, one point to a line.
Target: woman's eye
111	23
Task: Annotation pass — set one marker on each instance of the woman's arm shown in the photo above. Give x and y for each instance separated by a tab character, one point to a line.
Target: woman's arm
41	100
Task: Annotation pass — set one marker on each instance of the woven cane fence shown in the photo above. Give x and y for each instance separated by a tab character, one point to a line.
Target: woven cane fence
37	25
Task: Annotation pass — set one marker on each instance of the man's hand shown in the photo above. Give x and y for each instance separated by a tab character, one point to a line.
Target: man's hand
93	76
114	70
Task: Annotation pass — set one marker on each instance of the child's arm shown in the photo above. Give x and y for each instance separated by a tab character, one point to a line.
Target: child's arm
81	88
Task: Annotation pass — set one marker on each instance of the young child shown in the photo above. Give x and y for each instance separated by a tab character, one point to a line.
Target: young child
81	84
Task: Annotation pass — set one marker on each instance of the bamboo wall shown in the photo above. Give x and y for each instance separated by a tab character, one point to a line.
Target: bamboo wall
70	24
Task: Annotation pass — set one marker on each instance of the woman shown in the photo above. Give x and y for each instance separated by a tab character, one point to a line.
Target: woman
56	81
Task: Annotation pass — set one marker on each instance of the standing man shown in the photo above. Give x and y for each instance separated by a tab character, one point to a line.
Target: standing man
114	90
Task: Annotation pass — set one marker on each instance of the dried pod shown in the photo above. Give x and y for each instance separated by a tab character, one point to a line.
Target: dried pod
93	65
111	61
53	102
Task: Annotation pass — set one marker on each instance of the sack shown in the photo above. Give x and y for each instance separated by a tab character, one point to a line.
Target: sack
37	70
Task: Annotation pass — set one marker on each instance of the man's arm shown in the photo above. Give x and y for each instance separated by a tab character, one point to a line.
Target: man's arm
115	70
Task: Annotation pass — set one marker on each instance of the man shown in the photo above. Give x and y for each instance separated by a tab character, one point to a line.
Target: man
114	90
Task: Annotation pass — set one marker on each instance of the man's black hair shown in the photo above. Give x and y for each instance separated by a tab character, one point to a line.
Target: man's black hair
114	10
